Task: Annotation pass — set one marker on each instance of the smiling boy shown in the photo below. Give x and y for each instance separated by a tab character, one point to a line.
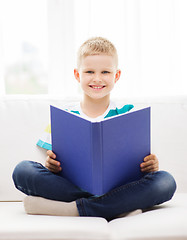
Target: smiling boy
97	72
97	76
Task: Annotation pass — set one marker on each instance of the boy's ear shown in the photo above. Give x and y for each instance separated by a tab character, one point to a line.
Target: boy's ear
76	74
118	74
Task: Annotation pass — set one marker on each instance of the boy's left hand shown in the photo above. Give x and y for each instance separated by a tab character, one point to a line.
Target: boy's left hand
150	164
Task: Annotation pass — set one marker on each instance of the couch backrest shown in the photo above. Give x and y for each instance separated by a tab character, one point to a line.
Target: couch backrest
23	119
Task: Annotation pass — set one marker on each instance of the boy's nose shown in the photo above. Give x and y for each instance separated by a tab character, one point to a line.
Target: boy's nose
97	78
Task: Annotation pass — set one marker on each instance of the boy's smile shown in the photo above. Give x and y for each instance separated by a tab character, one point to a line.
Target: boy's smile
97	87
97	75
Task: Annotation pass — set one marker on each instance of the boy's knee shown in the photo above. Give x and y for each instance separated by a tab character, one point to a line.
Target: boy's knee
20	167
168	181
22	170
165	184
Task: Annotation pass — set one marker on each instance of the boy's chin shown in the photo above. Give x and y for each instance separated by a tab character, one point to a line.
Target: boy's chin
97	97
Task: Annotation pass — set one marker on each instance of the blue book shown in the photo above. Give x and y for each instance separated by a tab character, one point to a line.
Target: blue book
100	156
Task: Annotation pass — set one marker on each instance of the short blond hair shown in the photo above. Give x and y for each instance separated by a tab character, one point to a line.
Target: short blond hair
96	46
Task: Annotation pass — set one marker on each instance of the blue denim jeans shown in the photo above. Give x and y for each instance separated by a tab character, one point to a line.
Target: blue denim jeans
154	188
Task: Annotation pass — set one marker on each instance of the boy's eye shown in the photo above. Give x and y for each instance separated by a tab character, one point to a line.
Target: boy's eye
105	72
89	72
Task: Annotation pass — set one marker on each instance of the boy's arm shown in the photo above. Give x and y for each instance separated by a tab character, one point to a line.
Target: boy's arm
150	164
51	163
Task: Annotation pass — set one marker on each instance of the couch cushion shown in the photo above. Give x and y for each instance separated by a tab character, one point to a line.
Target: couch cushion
167	221
17	225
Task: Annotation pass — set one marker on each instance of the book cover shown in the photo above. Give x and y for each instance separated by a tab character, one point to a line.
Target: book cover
100	156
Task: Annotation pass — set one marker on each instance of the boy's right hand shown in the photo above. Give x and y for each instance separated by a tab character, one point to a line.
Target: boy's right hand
51	163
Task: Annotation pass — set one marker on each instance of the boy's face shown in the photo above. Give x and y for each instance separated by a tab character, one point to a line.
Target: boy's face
97	75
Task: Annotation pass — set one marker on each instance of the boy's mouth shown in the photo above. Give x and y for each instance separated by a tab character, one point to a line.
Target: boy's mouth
96	86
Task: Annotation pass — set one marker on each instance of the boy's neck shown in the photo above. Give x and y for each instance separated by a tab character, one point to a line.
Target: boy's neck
94	107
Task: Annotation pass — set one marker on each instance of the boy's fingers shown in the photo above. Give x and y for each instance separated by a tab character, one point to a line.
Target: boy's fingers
51	154
53	165
150	157
149	163
53	162
53	168
151	168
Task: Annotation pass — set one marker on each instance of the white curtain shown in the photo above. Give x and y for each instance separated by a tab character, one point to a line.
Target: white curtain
2	85
150	36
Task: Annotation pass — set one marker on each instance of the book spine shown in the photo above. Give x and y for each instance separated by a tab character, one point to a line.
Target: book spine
97	159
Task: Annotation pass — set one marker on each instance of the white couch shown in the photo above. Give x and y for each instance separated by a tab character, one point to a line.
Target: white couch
22	120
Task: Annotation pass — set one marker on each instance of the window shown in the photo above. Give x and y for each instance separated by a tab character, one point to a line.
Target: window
24	46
